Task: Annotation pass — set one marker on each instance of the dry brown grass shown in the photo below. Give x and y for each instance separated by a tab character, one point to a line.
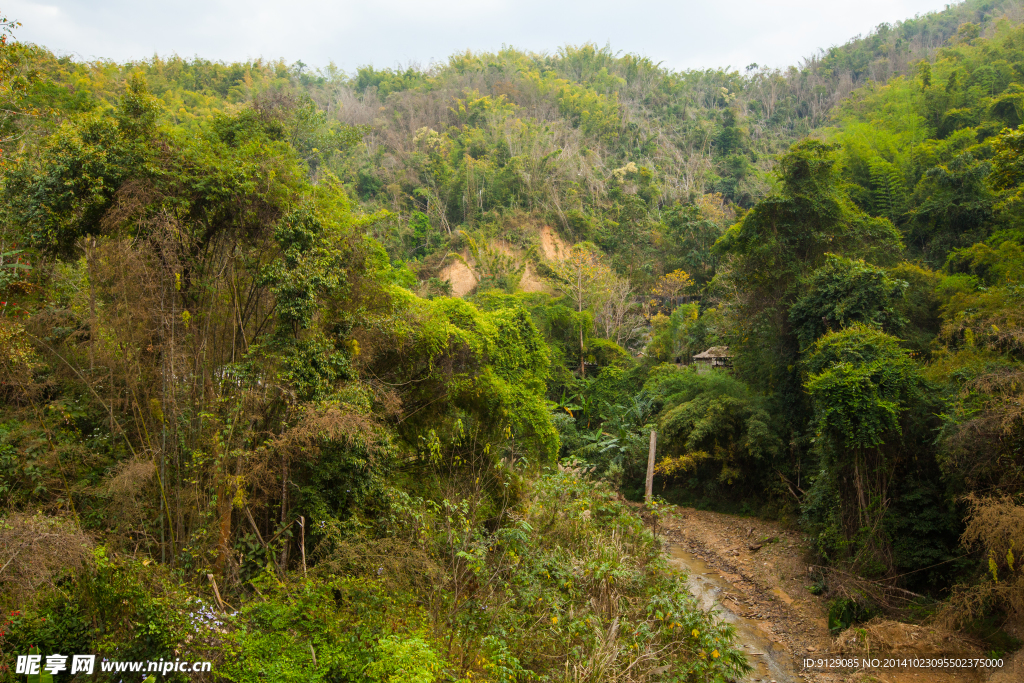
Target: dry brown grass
332	423
131	489
18	362
128	478
400	565
35	551
884	636
995	525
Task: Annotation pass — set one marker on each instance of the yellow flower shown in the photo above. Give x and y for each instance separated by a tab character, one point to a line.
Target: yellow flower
695	633
714	654
554	620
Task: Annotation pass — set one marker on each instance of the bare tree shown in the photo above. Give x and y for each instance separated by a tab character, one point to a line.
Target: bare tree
617	314
584	279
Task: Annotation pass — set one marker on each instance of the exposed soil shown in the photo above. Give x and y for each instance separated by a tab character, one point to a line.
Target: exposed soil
531	282
758	574
462	278
552	246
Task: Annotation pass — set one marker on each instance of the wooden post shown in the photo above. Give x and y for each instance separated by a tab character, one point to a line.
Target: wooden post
650	468
302	532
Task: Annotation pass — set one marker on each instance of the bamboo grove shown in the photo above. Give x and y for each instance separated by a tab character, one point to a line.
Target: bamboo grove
245	408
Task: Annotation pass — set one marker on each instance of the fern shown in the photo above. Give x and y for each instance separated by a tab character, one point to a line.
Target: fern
888	192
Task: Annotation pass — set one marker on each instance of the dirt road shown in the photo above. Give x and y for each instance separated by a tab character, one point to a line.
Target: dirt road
756	573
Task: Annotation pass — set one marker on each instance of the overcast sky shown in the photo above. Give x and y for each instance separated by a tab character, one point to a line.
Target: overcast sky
680	34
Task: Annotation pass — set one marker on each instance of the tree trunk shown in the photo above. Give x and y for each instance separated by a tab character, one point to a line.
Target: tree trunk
224	496
90	264
583	370
284	509
649	492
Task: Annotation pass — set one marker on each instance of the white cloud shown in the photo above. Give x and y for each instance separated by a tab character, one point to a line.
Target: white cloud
681	34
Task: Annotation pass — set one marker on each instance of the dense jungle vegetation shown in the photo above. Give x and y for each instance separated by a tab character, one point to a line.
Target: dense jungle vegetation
244	409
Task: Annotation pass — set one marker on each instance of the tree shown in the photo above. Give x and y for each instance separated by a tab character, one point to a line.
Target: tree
616	313
773	249
861	384
981	359
18	74
789	233
584	279
63	193
1007	176
712	425
889	195
687	234
845	291
672	285
1008	163
955	207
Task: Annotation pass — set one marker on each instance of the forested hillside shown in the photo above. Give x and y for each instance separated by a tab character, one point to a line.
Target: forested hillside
351	376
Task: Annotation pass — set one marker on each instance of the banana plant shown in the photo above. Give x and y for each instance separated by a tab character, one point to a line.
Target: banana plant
567	403
43	676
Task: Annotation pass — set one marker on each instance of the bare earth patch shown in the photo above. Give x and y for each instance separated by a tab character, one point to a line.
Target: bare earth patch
768	566
462	278
531	282
552	246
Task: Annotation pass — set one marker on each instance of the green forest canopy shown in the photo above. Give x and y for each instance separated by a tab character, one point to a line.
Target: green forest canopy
229	345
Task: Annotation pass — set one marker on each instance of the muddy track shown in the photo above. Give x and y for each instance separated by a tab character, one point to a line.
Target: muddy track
756	573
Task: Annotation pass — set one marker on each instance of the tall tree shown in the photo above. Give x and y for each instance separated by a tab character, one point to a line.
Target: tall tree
784	238
583	278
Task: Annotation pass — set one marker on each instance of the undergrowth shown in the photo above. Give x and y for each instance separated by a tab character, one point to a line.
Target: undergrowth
570	586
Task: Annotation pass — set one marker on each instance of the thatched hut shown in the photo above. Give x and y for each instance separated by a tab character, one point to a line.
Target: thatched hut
715	357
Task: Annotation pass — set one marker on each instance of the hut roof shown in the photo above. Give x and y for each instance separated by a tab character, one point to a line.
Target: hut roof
714	352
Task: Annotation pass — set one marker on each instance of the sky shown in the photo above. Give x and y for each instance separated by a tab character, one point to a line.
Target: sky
681	34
